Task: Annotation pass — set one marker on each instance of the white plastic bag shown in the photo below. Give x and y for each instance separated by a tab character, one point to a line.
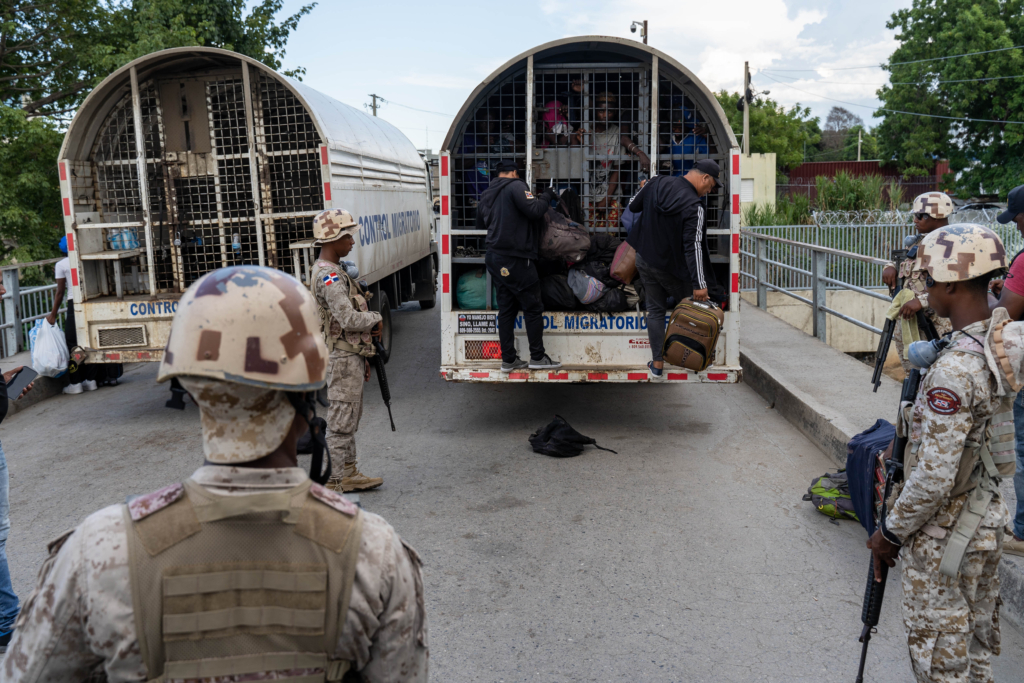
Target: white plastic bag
49	350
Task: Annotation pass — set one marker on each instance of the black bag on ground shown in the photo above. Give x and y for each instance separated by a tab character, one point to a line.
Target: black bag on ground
612	301
603	247
600	270
108	374
559	440
556	293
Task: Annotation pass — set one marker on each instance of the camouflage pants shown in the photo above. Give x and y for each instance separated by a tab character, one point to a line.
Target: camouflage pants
952	624
942	326
345	394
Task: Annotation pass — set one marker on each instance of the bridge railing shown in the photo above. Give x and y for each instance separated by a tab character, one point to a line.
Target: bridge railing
22	306
784	265
837	252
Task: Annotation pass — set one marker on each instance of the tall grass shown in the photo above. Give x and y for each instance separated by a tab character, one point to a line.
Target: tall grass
847	193
793	211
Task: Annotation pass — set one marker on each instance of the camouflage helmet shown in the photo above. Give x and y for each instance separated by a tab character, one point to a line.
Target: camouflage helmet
962	251
333	224
935	204
247	325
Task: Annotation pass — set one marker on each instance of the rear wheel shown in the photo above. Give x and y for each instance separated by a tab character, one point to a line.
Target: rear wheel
384	308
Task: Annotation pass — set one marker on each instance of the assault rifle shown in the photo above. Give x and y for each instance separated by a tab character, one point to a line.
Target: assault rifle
378	361
875	590
890	326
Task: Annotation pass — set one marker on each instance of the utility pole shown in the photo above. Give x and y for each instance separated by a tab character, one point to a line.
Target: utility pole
746	108
860	136
374	105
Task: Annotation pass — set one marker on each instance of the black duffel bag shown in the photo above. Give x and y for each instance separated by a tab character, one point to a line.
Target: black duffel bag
556	293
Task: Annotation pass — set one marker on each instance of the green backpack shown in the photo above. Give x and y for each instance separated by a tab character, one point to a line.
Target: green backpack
831	495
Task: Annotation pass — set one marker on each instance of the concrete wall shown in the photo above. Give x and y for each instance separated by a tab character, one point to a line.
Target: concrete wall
757	170
841	335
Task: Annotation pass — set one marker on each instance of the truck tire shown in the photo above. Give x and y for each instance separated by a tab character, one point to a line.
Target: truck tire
429	303
384	308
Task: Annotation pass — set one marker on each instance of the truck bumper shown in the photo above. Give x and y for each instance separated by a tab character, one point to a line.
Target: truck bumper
578	375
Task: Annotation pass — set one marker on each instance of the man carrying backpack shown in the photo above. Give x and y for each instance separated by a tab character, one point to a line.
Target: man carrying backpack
507	210
671	255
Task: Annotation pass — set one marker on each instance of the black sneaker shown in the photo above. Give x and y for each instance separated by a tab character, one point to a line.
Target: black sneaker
517	364
544	363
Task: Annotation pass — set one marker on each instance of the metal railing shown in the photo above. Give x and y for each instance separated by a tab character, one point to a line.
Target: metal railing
23	306
815	267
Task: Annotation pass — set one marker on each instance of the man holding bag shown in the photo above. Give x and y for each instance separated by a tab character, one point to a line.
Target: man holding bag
82	377
671	256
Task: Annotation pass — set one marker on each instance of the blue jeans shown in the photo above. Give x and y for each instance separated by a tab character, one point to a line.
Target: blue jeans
8	600
1018	478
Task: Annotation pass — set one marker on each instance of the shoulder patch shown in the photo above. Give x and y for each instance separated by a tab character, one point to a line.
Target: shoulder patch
143	506
943	401
333	499
529	195
330	279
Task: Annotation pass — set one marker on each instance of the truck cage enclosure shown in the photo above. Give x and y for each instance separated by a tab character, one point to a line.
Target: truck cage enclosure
594	115
192	159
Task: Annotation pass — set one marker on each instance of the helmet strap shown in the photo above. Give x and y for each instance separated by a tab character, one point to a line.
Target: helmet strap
305	406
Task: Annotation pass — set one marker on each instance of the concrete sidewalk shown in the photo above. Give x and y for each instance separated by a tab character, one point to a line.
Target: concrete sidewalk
827	395
42	389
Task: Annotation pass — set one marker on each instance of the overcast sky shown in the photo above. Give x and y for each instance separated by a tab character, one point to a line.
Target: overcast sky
430	55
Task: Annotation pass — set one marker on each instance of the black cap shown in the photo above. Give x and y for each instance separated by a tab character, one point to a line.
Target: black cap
709	166
506	166
1014	205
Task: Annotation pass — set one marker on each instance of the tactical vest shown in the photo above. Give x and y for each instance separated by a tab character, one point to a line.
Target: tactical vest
981	469
359	300
236	585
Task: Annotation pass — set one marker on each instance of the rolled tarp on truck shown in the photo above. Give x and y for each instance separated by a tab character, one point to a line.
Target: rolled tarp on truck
192	159
592	116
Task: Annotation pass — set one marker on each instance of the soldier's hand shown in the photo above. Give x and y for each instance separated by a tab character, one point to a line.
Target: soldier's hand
377	329
882	551
996	287
366	374
911	308
889	277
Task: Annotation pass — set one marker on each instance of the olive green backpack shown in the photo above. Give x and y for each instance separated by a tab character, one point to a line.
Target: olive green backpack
830	494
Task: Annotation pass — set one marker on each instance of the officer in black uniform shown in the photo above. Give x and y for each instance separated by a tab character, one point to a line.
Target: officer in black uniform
508	212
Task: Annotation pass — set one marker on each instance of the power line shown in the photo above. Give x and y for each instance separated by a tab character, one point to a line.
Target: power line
425	111
913	61
894	111
962	80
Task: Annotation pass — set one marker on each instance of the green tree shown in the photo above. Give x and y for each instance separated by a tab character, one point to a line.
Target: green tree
987	156
52	53
773	128
31	222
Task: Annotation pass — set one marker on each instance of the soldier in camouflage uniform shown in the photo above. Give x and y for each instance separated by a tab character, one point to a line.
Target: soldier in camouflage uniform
947	520
247	571
931	211
347	326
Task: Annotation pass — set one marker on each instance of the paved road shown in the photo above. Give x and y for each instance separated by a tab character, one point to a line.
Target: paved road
688	556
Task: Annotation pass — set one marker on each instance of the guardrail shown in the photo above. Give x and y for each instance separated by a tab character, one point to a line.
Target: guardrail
819	262
23	306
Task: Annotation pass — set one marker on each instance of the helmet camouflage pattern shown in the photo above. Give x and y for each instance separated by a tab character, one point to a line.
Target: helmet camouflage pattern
248	325
935	204
962	251
333	224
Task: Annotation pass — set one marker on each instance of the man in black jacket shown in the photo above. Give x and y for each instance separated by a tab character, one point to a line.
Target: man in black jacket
508	212
671	255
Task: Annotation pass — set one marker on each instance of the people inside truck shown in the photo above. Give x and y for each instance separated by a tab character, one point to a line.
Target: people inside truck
472	156
508	212
555	121
672	255
687	147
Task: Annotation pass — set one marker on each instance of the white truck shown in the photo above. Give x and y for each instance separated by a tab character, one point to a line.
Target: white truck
192	159
581	114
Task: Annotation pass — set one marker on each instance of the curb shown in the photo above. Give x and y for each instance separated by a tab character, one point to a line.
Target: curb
830	432
42	389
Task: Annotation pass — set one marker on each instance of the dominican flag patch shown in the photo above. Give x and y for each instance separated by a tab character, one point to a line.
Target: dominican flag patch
330	279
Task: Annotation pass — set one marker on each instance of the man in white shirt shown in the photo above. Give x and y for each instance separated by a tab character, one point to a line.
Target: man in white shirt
82	377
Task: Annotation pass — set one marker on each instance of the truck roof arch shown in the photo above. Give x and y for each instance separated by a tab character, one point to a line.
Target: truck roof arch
340	126
586	47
